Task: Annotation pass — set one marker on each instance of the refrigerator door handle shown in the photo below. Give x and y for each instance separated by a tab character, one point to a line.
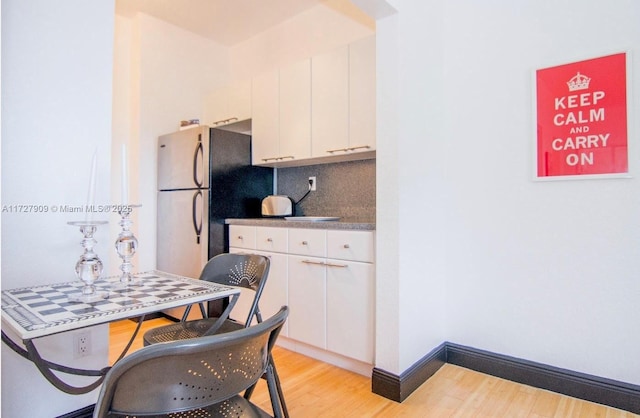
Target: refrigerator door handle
197	220
198	163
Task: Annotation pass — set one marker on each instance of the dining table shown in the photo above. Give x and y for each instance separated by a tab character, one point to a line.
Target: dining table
34	312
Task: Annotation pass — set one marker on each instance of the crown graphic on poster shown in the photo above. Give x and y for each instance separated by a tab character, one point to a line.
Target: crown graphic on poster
579	82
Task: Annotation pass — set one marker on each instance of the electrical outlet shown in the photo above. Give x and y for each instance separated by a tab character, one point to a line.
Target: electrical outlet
313	183
82	344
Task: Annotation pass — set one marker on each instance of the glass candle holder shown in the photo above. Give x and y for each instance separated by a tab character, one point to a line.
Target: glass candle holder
126	246
89	266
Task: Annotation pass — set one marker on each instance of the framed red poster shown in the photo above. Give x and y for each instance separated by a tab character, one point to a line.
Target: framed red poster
581	116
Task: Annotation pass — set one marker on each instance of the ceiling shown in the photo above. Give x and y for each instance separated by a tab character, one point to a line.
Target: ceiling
224	21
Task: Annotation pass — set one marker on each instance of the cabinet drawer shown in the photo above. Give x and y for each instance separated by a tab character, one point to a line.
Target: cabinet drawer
272	239
311	242
242	236
351	245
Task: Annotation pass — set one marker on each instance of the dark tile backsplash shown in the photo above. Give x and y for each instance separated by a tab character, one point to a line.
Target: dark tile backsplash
347	190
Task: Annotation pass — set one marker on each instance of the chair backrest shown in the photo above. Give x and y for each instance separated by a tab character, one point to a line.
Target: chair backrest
245	270
189	374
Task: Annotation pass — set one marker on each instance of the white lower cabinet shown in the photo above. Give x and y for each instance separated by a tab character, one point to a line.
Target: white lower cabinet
332	305
350	309
308	300
331	300
272	243
240	311
276	292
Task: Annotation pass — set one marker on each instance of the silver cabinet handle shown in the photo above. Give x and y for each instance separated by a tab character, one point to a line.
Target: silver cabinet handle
359	147
290	157
346	246
305	243
331	151
320	263
269	240
223	121
240	237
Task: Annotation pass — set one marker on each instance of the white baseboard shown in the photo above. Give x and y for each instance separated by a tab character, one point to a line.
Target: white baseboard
337	360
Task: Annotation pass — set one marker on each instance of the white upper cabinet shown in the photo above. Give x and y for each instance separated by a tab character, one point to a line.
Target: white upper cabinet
343	97
265	125
362	94
330	102
228	104
281	125
322	109
295	111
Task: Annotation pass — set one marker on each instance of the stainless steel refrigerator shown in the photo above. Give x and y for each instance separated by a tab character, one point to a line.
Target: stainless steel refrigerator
204	176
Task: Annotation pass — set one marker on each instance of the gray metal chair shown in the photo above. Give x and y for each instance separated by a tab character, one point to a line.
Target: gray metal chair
199	377
245	270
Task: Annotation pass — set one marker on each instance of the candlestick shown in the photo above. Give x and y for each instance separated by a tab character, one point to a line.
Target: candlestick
89	266
125	176
126	246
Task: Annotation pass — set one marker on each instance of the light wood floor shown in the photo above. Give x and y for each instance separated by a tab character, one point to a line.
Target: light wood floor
316	389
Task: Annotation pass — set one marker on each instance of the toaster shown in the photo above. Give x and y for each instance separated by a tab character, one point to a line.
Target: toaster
277	205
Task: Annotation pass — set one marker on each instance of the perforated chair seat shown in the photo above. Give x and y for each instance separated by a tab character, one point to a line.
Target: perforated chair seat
187	330
236	407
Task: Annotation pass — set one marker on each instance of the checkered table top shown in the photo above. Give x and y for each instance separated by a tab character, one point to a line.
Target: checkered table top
44	310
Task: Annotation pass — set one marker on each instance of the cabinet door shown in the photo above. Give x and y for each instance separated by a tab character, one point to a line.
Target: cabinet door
275	293
330	102
307	300
350	309
228	104
215	107
239	101
243	305
362	93
265	118
295	111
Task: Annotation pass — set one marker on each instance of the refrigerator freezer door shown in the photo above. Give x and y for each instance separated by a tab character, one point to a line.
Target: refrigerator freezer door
182	231
183	159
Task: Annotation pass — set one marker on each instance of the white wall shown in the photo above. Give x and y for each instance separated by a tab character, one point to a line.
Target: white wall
556	263
319	29
545	271
56	112
410	189
163	74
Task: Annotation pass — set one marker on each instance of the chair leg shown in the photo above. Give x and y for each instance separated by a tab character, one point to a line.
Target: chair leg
271	383
276	379
276	389
249	391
